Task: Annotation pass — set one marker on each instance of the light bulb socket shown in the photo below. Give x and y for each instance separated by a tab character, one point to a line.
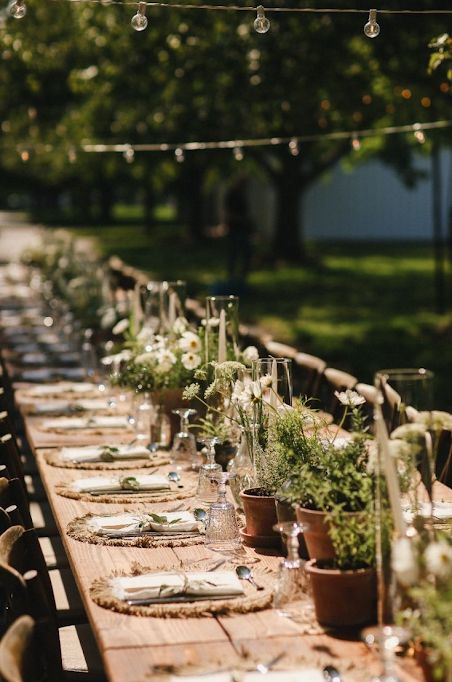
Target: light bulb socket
139	21
372	29
17	9
261	23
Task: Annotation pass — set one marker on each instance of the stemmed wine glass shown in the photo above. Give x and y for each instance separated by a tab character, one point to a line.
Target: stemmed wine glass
387	639
183	453
292	594
207	491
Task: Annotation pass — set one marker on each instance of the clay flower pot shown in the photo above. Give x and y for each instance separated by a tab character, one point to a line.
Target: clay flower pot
318	541
421	654
343	598
260	514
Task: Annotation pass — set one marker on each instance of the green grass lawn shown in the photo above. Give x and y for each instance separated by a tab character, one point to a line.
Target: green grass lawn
361	307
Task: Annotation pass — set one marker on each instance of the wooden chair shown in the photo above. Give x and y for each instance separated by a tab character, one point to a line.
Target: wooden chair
65	654
308	370
11	456
20	549
370	393
19	660
280	350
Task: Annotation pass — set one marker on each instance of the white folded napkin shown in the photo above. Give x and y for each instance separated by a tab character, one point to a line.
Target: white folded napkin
45	373
305	675
95	484
108	422
94	453
126	523
441	510
69	407
34	358
62	387
154	585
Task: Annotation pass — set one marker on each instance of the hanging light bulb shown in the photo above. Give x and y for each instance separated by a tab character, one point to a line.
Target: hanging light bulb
294	147
419	133
25	155
372	29
179	154
17	9
261	23
129	154
139	20
356	142
238	153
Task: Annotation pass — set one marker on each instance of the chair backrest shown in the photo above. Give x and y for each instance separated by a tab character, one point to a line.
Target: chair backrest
17	652
12	492
5	423
280	350
308	371
10	456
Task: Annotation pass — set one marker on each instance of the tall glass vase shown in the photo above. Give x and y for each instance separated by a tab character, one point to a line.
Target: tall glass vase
278	390
150	302
242	466
222	328
172	303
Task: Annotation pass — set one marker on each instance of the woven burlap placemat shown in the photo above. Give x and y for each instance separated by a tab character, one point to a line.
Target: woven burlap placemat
156	459
127	498
253	600
87	431
79	529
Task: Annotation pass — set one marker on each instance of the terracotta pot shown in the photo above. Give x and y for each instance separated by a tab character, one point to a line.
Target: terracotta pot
260	514
318	541
343	598
285	512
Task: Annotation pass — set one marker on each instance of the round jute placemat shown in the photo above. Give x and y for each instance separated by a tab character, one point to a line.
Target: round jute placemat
253	600
127	498
157	459
79	529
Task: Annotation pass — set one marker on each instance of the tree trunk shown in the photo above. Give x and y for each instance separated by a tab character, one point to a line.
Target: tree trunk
288	243
193	200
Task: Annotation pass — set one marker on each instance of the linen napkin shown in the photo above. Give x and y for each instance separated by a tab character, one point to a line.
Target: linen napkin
305	675
61	387
35	358
69	407
127	523
46	373
441	510
63	423
99	484
93	453
154	585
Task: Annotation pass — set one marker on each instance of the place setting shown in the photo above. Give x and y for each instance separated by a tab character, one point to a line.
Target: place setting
155	487
177	526
112	456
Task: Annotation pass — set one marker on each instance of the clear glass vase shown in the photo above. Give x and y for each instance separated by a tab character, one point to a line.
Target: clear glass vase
222	328
242	467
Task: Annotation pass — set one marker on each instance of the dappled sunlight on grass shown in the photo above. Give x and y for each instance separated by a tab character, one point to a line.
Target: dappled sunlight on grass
361	306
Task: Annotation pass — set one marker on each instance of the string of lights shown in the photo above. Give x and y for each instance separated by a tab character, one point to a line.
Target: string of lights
237	146
139	21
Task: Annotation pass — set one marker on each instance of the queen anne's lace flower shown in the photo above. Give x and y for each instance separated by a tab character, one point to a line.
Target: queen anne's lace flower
349	398
438	559
409	431
434	420
191	391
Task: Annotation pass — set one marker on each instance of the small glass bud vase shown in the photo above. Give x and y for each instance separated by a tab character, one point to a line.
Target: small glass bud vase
150	303
241	467
172	304
275	377
222	328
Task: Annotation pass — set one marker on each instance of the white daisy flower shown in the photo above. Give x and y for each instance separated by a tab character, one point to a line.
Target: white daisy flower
404	562
108	318
191	360
120	327
438	559
180	326
165	360
349	398
145	358
249	354
190	343
266	381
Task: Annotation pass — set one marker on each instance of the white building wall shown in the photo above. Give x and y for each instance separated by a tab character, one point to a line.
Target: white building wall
371	202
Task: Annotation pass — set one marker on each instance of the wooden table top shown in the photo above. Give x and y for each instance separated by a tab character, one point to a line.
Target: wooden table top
131	646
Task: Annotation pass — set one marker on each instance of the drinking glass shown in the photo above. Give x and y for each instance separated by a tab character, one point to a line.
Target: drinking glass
207	489
278	372
88	356
387	639
184	454
222	531
222	328
172	303
292	597
143	415
150	302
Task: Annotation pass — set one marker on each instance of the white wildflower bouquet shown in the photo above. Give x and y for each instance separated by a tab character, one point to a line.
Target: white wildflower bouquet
160	362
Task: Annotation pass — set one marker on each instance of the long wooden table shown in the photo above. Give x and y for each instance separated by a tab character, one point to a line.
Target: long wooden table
131	646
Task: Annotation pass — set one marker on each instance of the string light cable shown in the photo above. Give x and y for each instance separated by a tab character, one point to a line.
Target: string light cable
294	143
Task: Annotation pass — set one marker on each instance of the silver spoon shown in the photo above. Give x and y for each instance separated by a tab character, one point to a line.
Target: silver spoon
265	667
331	674
244	573
174	477
200	515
